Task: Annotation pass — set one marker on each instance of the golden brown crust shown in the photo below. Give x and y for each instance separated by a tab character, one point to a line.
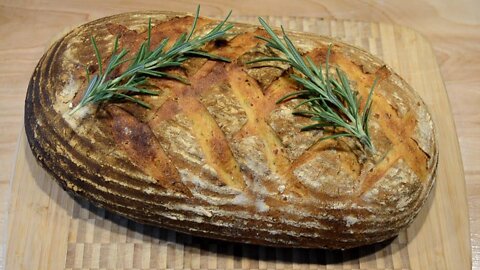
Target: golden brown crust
218	157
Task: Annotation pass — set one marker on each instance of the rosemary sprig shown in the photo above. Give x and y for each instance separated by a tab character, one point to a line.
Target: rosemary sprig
330	100
103	86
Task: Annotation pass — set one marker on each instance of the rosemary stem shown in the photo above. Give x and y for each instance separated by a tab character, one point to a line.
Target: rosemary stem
146	64
330	100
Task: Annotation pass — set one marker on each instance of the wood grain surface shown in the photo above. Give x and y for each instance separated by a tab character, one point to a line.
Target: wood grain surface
42	214
452	27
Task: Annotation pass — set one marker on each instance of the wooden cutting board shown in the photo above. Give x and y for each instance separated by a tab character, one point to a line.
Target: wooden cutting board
48	229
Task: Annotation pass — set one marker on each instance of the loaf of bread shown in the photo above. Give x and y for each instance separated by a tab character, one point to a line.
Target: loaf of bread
218	157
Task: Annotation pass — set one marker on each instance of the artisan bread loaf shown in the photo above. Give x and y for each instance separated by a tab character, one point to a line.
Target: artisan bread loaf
218	157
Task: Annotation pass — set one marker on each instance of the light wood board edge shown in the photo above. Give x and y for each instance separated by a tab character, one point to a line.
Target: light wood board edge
450	167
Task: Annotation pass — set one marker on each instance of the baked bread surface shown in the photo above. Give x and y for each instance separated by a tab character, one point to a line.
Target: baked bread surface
218	157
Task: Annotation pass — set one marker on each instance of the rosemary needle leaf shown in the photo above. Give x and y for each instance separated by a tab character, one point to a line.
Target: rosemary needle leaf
97	55
194	23
291	95
330	100
147	63
208	55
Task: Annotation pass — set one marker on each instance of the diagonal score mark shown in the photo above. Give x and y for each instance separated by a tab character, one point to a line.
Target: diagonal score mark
208	133
398	130
403	147
252	100
143	149
210	138
213	142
